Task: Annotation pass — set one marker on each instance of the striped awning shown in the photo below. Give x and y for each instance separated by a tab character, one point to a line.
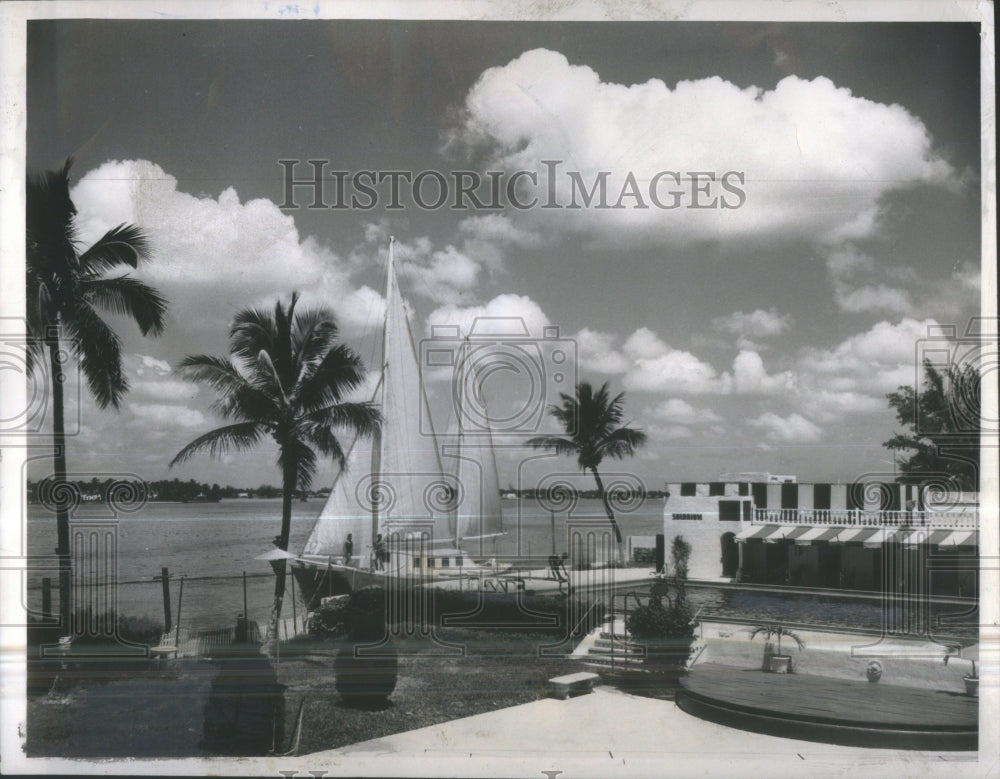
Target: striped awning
869	537
961	538
780	534
758	533
861	535
816	535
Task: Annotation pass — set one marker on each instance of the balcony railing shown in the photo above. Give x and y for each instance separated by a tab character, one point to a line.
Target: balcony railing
964	518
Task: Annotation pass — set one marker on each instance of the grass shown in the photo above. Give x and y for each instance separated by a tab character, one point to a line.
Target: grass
436	684
163	710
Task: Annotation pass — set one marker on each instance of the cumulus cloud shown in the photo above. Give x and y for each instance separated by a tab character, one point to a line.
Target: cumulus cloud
816	158
507	314
756	324
793	429
658	367
872	297
213	256
681	412
170	389
876	361
166	416
445	276
596	352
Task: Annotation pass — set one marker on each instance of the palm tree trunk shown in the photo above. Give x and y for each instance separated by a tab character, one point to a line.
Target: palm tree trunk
59	491
288	484
611	517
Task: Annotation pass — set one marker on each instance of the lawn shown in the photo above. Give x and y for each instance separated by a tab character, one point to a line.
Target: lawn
163	710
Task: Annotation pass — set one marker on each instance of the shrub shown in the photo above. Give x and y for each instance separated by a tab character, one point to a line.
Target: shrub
654	620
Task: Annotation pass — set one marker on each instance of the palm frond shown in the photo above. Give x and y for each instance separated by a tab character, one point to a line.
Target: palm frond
622	443
327	442
99	351
217	372
313	335
241	436
50	222
252	330
339	372
363	418
122	245
559	445
128	297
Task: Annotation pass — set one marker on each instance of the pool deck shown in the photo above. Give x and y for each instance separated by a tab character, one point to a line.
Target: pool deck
837	711
612	733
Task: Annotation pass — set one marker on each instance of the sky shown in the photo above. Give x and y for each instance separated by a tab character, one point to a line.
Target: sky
759	333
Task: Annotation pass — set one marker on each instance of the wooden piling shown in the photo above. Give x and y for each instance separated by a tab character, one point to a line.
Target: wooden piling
46	597
177	633
164	578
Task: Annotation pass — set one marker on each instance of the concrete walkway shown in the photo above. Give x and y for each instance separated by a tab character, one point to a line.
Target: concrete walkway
612	733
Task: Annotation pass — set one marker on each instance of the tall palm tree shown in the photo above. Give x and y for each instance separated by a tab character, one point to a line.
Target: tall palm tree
286	378
64	289
592	433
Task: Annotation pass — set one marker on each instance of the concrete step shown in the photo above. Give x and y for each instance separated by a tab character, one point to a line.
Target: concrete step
607	665
616	643
616	650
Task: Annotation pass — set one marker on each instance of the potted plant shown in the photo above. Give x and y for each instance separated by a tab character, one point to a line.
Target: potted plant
971	680
666	630
775	661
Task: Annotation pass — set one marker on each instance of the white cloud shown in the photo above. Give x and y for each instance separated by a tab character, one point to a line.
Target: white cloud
444	276
170	389
751	378
683	413
507	314
657	367
875	361
161	367
213	256
596	352
167	416
872	297
756	324
793	429
816	158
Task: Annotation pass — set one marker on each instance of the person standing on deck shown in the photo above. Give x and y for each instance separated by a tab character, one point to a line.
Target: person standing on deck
378	548
348	548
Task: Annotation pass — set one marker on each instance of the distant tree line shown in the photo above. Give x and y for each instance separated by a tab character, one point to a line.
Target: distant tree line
558	492
169	490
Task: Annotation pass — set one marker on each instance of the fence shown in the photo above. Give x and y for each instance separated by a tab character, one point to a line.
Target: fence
942	520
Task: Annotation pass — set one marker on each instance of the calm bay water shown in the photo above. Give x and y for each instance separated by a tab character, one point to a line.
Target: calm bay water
212	544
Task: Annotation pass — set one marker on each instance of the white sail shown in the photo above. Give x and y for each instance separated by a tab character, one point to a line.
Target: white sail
343	513
395	483
415	493
478	510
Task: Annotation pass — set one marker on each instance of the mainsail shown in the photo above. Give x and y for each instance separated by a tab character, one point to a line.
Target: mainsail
478	514
402	488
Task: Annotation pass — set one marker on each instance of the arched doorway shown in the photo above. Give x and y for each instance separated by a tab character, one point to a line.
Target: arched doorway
730	554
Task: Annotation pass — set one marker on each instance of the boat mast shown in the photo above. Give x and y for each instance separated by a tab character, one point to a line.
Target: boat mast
376	469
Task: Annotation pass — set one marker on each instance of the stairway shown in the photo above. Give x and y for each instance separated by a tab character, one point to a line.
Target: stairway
609	648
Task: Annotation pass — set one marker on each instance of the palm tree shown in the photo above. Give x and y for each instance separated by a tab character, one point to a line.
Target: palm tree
64	289
287	379
592	433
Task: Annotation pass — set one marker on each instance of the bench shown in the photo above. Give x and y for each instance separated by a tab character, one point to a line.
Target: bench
582	682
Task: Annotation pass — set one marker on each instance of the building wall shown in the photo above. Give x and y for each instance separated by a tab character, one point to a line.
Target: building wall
702	512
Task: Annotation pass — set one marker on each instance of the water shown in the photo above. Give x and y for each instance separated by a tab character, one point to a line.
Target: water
213	544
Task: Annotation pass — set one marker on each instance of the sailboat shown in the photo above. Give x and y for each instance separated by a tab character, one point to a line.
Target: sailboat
411	505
